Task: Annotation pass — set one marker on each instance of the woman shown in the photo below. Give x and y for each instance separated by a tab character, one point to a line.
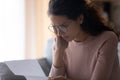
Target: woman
85	47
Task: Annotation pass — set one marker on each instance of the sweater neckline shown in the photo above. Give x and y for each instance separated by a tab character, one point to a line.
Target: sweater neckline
83	42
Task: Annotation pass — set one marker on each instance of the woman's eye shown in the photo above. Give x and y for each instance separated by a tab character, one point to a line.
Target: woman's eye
63	26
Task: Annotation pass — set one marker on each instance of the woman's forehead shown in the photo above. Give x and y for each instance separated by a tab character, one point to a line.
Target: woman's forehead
56	20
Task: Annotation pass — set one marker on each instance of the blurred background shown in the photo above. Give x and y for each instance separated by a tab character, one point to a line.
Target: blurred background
24	25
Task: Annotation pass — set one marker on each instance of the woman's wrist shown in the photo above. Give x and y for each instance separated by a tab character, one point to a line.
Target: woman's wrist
59	51
57	66
58	63
58	59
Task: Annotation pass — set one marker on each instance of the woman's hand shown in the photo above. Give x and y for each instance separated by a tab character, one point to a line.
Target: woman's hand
60	44
57	78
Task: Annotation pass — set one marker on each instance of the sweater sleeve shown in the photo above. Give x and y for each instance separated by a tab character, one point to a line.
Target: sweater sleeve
56	71
105	59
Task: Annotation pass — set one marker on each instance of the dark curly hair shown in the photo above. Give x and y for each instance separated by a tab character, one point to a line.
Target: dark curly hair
93	22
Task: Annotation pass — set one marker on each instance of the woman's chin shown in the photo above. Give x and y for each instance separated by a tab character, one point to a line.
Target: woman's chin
68	39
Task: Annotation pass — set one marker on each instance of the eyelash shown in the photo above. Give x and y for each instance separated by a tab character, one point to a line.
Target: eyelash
63	25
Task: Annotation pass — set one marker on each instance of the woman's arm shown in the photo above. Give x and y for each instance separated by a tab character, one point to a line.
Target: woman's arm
105	60
58	63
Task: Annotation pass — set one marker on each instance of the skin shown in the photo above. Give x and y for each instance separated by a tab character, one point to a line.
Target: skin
74	32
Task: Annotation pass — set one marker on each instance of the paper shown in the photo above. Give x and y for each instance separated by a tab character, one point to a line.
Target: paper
26	68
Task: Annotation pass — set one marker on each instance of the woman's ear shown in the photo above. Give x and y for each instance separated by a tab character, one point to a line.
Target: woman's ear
80	19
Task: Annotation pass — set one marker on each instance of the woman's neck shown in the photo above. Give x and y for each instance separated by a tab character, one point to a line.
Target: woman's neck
82	36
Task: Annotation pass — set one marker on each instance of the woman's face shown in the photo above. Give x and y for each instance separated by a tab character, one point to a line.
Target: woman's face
66	28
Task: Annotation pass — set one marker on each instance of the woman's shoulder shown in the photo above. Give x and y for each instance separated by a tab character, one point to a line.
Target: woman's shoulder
109	35
106	36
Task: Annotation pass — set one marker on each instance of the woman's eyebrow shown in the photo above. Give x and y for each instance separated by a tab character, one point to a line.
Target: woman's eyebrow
60	24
